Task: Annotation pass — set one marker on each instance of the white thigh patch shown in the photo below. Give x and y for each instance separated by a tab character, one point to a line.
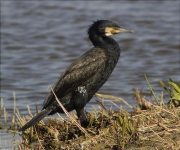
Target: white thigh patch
81	89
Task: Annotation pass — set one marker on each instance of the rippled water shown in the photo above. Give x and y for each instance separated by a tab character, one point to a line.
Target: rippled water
40	40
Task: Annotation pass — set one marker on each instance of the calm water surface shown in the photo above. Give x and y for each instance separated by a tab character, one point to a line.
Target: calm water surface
40	40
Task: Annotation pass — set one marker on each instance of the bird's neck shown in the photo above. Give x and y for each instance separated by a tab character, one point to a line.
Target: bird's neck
104	42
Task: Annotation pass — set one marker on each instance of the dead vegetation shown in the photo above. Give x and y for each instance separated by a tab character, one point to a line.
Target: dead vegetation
149	126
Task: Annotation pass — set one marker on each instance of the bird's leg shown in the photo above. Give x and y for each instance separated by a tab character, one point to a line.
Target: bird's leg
82	115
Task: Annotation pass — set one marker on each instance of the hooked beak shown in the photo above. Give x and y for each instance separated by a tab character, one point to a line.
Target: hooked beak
123	30
111	31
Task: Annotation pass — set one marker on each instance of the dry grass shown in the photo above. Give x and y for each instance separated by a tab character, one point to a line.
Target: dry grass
154	126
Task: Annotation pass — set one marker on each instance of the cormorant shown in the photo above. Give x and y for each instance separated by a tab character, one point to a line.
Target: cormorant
85	76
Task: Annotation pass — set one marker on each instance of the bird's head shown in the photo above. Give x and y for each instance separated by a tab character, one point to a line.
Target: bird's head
106	28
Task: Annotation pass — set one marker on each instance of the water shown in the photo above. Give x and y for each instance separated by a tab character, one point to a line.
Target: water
40	40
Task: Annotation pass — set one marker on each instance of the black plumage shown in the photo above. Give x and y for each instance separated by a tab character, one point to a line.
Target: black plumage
85	76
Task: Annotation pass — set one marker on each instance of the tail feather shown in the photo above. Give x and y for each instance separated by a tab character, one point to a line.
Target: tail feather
35	119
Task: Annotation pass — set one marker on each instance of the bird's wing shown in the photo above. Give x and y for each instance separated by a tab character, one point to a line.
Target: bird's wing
77	73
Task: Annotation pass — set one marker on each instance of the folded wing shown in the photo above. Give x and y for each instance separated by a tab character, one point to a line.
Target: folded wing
83	69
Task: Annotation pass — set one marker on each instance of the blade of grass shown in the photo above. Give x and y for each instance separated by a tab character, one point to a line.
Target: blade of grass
113	98
1	104
150	88
14	98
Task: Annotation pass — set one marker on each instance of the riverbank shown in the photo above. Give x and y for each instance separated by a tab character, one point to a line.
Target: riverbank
151	125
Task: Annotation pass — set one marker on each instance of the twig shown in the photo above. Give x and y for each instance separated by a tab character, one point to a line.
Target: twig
69	116
113	97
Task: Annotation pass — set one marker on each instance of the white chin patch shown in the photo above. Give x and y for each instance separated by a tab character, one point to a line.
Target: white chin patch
108	33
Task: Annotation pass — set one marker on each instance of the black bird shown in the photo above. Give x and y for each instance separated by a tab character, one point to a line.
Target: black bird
85	76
